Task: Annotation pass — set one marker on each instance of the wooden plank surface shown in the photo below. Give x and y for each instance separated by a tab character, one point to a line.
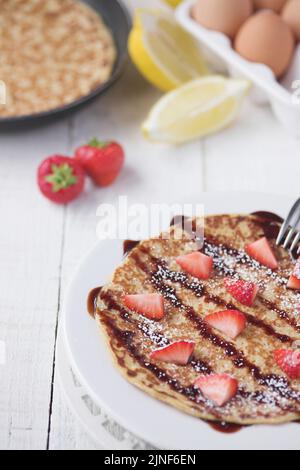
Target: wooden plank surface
30	252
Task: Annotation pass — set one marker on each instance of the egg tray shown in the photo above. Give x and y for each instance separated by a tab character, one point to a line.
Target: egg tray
283	96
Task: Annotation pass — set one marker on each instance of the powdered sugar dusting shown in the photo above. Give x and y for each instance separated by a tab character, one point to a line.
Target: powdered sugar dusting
296	272
271	320
238	265
227	259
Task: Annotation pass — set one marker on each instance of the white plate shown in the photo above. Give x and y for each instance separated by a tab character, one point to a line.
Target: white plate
153	421
103	429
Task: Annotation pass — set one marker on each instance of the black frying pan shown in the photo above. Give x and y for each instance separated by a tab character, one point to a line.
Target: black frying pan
118	20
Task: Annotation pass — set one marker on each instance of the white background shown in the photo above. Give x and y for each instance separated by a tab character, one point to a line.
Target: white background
41	244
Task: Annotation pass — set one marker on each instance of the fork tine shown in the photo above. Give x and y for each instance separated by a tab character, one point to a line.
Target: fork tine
282	232
287	222
289	237
295	241
291	232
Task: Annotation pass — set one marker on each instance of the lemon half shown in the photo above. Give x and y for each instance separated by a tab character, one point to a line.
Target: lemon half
196	109
163	52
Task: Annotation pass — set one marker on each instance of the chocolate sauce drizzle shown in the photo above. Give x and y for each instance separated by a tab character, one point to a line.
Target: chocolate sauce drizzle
276	383
126	339
199	290
112	304
226	428
269	224
159	275
155	336
128	245
92	301
217	251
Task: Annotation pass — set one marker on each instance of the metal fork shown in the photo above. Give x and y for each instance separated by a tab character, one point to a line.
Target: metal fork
289	234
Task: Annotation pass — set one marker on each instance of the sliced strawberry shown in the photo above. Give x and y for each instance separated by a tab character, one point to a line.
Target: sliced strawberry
243	291
262	252
197	264
289	361
294	283
176	353
230	322
294	280
219	388
149	305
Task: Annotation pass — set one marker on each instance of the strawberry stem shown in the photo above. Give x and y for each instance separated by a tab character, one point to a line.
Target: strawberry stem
98	143
62	177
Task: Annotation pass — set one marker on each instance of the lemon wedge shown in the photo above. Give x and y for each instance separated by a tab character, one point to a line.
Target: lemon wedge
163	52
196	109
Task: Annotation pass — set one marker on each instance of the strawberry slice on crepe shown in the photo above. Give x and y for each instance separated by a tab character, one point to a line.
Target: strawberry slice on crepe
262	252
149	305
230	322
219	388
178	352
196	264
243	291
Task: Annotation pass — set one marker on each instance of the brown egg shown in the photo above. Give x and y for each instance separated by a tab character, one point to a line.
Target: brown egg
266	39
275	5
291	15
225	16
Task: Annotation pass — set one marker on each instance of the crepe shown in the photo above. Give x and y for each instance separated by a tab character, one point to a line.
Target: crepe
53	53
265	393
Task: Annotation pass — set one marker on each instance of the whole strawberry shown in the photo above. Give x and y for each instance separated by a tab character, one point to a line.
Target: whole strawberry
102	161
60	179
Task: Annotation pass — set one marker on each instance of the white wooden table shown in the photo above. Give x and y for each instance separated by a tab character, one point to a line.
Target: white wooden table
41	244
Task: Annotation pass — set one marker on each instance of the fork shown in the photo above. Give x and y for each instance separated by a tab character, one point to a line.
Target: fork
289	234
